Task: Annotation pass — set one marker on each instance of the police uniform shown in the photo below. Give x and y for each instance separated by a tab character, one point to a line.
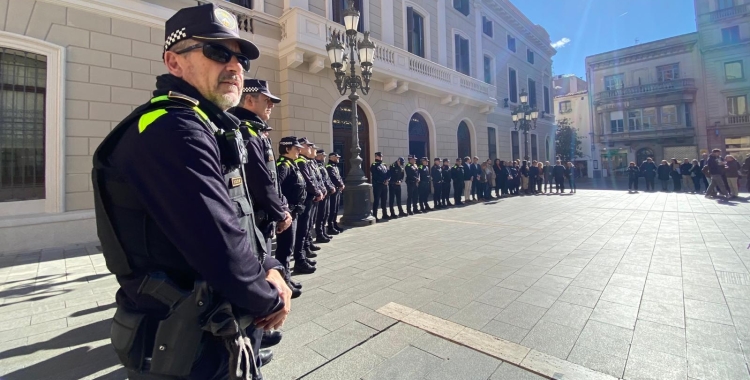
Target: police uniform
379	172
437	184
301	263
177	228
323	189
412	194
324	205
424	185
457	175
293	187
446	192
396	175
333	203
270	205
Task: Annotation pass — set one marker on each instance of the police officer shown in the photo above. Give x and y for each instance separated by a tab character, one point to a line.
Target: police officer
412	181
424	184
437	183
293	188
323	206
446	191
458	175
379	172
333	173
396	175
303	264
175	219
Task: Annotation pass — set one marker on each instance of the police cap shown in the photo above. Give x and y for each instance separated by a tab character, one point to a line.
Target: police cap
305	141
320	151
425	159
290	141
206	23
258	86
378	154
333	154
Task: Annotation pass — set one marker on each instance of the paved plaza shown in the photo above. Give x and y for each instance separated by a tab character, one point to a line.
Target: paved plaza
610	284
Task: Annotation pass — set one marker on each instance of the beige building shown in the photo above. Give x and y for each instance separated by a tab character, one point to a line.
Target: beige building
574	107
447	73
647	102
724	34
568	83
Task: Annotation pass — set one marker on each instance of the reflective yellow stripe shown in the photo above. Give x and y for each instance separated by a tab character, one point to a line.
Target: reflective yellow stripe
147	118
201	113
300	160
159	98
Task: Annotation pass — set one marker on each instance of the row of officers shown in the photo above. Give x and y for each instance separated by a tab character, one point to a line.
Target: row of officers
421	180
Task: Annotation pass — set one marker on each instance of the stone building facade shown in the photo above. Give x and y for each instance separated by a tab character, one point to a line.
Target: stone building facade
574	107
73	69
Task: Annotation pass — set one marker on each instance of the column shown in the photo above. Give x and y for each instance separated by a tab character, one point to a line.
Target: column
441	33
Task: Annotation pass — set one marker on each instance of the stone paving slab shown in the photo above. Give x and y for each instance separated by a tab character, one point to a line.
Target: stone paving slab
641	286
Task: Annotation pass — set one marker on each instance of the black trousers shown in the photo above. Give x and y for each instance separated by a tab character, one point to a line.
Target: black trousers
412	196
633	183
394	196
424	194
285	243
333	208
560	183
458	191
311	224
677	183
380	195
303	228
437	197
322	215
474	185
446	192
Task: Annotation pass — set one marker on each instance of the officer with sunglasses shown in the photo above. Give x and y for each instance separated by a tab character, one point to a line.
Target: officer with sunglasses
175	219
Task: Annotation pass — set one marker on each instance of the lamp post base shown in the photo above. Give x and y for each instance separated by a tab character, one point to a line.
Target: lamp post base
357	204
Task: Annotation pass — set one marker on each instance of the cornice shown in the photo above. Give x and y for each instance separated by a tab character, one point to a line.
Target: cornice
513	17
638	56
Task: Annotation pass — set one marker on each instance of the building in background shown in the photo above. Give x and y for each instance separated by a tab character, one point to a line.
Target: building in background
446	76
574	107
568	83
724	35
647	102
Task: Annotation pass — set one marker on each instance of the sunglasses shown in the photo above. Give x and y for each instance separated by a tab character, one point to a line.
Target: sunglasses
218	53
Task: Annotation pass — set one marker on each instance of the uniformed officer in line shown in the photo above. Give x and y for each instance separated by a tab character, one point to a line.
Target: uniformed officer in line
457	175
379	172
424	184
446	192
293	187
333	173
320	183
175	219
437	183
303	264
396	175
324	205
412	181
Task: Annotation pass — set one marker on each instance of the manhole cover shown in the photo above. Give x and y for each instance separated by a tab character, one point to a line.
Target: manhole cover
733	278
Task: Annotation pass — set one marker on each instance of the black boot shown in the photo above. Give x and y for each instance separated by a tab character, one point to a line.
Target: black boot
265	357
332	231
401	212
393	214
337	227
314	247
310	254
270	338
427	207
320	238
301	266
311	262
385	215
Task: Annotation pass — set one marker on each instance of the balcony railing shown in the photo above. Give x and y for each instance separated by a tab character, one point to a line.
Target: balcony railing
647	89
651	133
306	32
721	14
738	119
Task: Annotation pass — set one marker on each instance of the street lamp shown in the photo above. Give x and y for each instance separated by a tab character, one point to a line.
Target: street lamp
357	209
524	118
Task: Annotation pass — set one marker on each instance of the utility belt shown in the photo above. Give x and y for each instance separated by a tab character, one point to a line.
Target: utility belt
179	337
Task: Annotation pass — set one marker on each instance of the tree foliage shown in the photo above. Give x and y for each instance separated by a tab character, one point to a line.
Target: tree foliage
567	142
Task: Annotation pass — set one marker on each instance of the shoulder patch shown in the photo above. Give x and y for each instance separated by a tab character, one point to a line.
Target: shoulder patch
148	118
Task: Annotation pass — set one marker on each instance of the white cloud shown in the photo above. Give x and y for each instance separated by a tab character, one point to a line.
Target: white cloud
563	41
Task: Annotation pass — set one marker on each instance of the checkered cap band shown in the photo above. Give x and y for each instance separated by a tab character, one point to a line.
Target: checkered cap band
251	89
174	37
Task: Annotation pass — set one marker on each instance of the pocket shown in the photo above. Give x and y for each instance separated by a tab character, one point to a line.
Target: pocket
128	338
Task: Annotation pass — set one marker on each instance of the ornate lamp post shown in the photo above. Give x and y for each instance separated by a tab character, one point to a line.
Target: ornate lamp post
524	118
357	208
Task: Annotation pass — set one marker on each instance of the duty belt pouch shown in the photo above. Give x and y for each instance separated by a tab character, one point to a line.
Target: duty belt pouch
128	338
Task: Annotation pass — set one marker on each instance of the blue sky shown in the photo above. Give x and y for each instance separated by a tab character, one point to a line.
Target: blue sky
597	26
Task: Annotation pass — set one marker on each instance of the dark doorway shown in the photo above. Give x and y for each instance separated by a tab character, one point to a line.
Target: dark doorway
463	140
419	136
342	137
643	154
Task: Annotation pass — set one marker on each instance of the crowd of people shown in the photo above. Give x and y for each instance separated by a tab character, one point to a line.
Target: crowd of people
470	180
713	175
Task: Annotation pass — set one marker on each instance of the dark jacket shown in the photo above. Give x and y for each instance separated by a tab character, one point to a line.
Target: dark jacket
475	170
524	171
396	174
292	184
424	175
311	184
412	173
174	169
696	172
732	169
558	171
468	172
437	174
447	174
379	172
648	169
334	175
502	174
664	171
633	172
457	173
533	171
685	168
714	166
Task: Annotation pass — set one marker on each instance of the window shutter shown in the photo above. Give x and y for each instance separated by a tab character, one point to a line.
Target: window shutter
457	47
410	30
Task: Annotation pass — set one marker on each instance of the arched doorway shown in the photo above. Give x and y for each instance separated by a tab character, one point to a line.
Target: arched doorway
342	137
419	136
463	140
643	154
